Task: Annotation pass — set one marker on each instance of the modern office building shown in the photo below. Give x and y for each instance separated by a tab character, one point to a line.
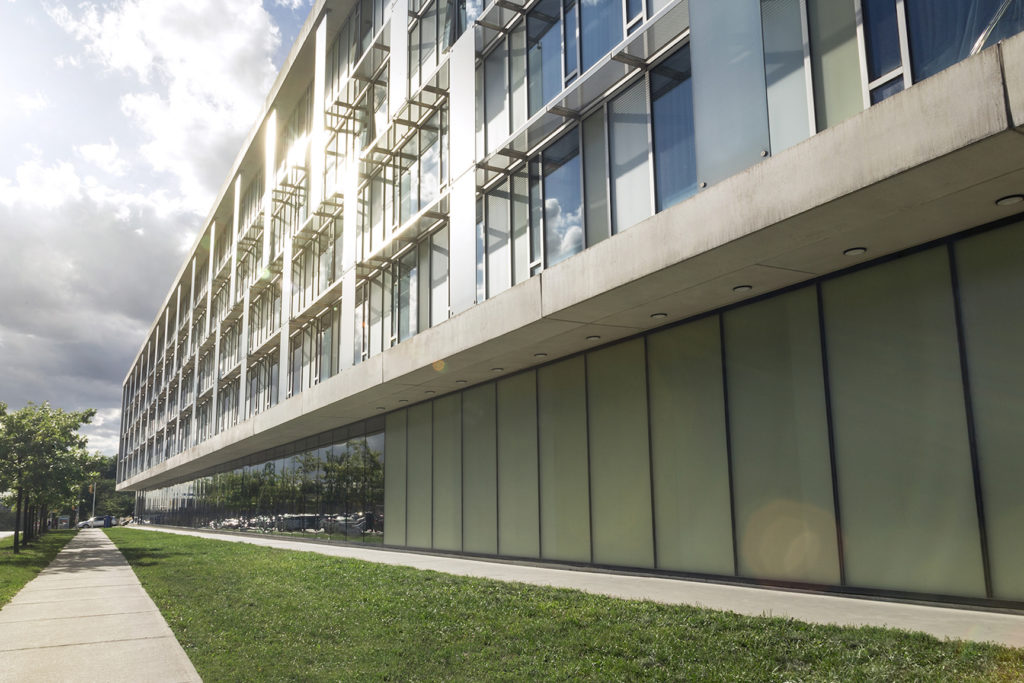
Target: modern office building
717	288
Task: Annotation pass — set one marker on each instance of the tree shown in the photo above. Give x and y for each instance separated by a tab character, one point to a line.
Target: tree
109	501
42	460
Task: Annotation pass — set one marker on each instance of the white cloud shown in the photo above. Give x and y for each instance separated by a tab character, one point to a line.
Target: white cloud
41	186
290	4
193	116
105	157
30	104
64	61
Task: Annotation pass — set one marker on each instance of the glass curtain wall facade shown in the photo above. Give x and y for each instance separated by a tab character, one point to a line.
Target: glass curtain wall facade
425	157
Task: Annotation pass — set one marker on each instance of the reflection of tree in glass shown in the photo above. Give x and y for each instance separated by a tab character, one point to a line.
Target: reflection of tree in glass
352	473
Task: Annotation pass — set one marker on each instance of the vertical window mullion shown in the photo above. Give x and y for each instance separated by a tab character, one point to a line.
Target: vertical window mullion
862	51
901	23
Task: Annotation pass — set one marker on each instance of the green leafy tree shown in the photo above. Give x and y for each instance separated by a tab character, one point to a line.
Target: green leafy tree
43	461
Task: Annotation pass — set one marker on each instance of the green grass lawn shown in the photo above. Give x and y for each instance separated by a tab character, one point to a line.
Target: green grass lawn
17	570
245	612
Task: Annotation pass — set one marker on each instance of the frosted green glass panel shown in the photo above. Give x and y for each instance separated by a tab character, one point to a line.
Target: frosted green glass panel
447	468
692	513
906	490
518	521
730	110
991	289
782	475
480	470
564	497
620	471
394	478
419	477
835	61
784	73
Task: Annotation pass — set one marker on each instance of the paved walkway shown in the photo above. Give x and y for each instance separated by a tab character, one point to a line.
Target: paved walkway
86	617
944	622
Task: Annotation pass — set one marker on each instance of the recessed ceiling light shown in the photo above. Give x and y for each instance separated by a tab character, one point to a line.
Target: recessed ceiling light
460	381
403	400
497	369
540	354
855	251
429	391
594	337
1010	200
380	407
742	288
659	316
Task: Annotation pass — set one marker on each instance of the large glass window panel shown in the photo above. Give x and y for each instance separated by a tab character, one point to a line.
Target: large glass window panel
690	461
620	474
520	227
430	161
835	61
407	295
480	470
730	109
481	251
1009	24
595	178
782	475
496	96
942	34
564	497
419	476
906	490
498	247
518	514
376	327
563	209
447	470
517	71
675	155
784	73
629	152
881	36
428	39
426	283
374	513
990	285
570	45
439	276
600	29
544	53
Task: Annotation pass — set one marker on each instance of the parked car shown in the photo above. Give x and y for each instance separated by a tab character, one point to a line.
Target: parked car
96	522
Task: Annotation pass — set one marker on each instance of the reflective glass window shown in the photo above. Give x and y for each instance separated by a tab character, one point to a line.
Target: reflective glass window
881	37
675	158
600	29
629	154
563	205
544	53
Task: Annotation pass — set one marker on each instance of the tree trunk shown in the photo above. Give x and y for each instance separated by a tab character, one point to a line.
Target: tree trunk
26	524
17	520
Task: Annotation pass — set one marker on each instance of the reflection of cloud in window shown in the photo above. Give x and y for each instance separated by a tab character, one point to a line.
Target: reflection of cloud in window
568	227
429	181
473	9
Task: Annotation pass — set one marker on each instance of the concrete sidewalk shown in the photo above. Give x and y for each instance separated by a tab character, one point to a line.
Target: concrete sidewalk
86	617
1005	628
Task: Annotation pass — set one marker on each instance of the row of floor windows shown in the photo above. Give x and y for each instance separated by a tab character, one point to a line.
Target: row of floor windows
860	431
649	147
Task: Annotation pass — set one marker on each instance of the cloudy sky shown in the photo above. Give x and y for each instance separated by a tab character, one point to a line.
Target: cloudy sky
119	120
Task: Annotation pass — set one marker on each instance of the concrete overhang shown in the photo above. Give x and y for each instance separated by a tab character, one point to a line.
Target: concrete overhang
922	165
